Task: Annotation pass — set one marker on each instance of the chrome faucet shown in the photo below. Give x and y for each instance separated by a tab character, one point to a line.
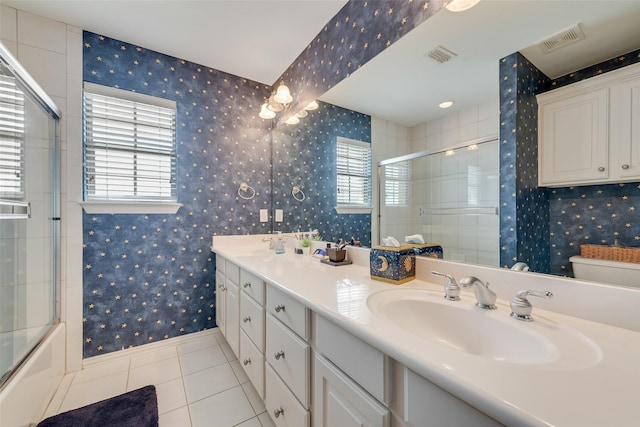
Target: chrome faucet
485	297
271	242
451	288
521	307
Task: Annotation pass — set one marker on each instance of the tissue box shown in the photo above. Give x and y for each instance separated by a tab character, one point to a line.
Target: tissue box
398	265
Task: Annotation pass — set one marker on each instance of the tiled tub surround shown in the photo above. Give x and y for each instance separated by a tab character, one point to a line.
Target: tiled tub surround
513	394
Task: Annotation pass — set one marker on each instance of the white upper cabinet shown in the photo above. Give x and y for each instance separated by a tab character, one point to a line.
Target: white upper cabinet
588	131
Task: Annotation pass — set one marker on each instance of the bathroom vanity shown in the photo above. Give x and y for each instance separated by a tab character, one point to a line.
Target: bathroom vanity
328	346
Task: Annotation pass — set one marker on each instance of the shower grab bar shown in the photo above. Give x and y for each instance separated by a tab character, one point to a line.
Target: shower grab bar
10	209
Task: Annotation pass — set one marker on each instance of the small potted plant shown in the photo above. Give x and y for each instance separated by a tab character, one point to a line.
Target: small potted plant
306	244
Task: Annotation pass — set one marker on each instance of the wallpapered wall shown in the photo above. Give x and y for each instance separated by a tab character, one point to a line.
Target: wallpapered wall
545	227
150	277
304	155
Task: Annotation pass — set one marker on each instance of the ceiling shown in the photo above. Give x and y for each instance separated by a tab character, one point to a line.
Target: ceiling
242	37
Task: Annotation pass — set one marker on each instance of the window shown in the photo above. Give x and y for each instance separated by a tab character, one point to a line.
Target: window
353	166
129	146
11	139
397	184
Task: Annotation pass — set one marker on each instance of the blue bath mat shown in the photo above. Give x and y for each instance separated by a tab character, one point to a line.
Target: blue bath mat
137	408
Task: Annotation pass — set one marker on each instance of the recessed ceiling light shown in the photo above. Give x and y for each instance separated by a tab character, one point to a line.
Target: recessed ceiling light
461	5
445	104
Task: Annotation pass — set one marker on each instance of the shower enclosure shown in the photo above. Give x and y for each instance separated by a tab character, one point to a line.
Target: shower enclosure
450	197
29	215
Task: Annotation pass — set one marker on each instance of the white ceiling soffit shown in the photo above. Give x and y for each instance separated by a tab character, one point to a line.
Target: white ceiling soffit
404	85
254	39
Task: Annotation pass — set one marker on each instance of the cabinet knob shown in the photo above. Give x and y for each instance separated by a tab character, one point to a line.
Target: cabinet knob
246	285
247	319
600	169
625	167
246	362
223	288
279	354
278	412
279	308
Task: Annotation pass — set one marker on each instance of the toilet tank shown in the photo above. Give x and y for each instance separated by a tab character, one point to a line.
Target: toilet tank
605	271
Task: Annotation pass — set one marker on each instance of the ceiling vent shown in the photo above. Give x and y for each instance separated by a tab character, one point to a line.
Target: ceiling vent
441	54
562	39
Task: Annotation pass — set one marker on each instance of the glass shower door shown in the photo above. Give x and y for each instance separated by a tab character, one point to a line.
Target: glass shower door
29	219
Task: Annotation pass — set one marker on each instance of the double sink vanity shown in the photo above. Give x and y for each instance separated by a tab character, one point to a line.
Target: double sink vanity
329	346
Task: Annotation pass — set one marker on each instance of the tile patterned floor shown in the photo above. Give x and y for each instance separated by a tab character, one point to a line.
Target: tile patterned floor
199	383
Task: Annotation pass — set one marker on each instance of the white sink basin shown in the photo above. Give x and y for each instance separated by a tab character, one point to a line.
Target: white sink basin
491	334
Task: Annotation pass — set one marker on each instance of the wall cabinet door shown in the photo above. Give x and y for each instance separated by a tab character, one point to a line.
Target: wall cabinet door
232	317
625	128
574	138
338	401
220	302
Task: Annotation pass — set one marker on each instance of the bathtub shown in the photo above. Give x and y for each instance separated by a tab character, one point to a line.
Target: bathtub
25	397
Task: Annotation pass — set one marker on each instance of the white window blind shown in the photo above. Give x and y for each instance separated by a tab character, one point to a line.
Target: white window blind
353	165
397	185
11	140
129	146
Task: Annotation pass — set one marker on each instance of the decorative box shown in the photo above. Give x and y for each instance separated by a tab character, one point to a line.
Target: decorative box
397	265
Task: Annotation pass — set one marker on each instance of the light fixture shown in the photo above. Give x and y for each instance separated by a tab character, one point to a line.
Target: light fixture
445	104
313	105
302	114
283	96
293	120
265	112
461	5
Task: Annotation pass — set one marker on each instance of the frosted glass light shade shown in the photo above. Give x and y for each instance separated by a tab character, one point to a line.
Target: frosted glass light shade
313	105
283	96
293	120
265	113
461	5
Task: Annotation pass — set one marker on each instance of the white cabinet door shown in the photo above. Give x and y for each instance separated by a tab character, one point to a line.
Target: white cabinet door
232	317
574	138
625	127
220	302
338	401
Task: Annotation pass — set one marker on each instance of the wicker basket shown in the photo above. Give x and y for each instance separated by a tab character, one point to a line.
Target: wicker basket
611	253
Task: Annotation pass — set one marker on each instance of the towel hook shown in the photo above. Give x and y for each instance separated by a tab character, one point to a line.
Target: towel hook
246	191
297	193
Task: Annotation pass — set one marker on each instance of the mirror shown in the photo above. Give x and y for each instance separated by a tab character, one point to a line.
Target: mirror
402	86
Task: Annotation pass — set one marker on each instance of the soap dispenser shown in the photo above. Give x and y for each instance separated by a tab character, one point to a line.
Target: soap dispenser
279	243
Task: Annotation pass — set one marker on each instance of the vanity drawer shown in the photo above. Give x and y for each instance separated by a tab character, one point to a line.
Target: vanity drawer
232	272
363	363
252	362
252	286
282	406
252	320
288	311
290	358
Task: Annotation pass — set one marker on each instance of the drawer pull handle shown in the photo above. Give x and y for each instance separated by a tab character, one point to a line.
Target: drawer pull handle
247	319
246	285
279	308
246	362
625	167
600	169
278	412
279	354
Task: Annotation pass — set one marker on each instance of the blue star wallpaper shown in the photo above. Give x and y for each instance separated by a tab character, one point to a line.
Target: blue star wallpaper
305	156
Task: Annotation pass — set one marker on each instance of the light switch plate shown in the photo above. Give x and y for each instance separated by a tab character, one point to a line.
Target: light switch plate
264	215
279	215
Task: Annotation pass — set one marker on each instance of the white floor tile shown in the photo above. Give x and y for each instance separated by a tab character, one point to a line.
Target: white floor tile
209	382
178	418
254	398
228	408
154	373
199	344
100	371
153	356
170	395
85	393
253	422
240	373
201	359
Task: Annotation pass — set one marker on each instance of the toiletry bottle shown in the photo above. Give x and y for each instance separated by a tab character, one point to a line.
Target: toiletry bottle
279	243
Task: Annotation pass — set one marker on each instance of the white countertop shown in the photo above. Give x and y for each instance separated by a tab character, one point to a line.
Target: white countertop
602	392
